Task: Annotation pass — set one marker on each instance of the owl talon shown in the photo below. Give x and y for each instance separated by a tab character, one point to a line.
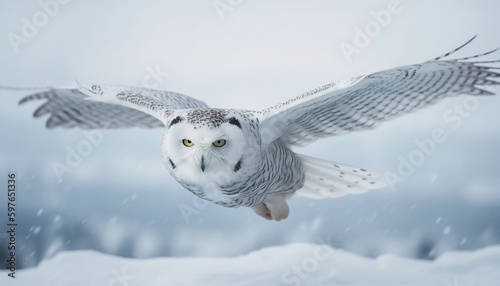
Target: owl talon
263	211
273	208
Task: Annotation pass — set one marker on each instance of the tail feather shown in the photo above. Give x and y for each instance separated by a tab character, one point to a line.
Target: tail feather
330	179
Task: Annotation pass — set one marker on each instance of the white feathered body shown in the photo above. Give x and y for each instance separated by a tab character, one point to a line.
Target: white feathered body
245	171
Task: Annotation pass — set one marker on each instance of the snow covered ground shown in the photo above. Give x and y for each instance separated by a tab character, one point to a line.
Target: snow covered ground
292	264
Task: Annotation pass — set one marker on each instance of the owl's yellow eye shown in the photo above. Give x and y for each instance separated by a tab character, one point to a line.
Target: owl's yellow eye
187	142
219	143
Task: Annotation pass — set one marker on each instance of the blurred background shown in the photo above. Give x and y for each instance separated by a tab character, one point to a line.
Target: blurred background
109	191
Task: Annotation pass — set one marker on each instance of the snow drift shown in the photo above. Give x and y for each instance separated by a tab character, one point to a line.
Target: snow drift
293	264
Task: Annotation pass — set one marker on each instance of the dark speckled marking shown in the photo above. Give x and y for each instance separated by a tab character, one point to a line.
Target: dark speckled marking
171	163
234	121
211	117
237	167
175	121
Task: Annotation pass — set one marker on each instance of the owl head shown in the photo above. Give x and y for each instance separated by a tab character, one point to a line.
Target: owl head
208	146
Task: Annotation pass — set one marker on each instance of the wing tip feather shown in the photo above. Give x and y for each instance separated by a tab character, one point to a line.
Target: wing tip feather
453	51
482	91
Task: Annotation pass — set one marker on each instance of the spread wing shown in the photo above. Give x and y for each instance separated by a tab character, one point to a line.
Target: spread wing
364	102
109	106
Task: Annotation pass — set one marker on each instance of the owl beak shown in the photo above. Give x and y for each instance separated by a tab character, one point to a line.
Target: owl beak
202	164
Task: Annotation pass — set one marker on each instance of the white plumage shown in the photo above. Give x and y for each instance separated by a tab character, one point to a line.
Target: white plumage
242	158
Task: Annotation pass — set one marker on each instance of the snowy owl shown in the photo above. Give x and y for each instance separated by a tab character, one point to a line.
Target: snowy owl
237	157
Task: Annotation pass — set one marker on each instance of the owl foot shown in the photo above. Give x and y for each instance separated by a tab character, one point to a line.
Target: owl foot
273	208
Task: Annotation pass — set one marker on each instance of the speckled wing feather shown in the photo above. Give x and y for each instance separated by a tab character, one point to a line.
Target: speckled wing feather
107	107
364	102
